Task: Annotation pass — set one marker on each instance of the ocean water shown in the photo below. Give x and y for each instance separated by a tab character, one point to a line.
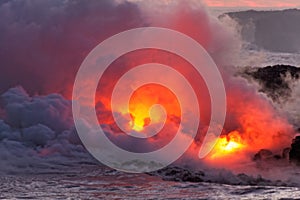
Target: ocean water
101	183
97	182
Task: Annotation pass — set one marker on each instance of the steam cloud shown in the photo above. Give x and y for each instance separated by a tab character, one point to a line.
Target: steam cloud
42	46
44	43
35	127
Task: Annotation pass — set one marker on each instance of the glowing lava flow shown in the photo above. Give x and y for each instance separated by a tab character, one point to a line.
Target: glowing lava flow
227	145
143	110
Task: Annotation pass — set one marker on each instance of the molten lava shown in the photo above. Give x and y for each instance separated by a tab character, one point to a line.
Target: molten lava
144	109
227	145
252	122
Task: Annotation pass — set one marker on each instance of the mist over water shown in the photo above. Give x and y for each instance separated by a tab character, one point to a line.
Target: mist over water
37	134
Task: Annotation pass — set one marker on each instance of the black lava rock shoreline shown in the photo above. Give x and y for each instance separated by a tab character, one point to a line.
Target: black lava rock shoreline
274	80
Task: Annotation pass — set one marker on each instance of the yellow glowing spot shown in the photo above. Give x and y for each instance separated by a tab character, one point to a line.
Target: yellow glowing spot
140	117
149	104
138	123
137	128
227	145
231	146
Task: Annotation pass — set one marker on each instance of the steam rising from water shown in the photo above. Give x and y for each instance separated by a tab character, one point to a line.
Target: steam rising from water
42	53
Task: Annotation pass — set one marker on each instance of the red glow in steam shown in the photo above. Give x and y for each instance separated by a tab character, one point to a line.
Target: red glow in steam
145	97
252	122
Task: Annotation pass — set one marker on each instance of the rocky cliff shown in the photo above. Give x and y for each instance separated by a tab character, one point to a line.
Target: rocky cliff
277	31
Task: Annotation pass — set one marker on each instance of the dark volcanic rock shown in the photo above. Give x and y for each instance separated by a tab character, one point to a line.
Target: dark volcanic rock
263	154
179	174
276	31
286	153
273	79
174	173
295	151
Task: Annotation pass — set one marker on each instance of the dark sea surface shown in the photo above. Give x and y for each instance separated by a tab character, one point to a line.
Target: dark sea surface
102	183
96	182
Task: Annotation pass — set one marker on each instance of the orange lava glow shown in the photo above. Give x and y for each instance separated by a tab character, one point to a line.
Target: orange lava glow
141	105
227	145
252	124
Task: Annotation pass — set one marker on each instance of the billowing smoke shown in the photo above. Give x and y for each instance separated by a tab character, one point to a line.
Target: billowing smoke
43	44
34	128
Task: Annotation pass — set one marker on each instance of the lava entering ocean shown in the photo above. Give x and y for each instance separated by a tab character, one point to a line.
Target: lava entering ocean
43	44
252	122
227	145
